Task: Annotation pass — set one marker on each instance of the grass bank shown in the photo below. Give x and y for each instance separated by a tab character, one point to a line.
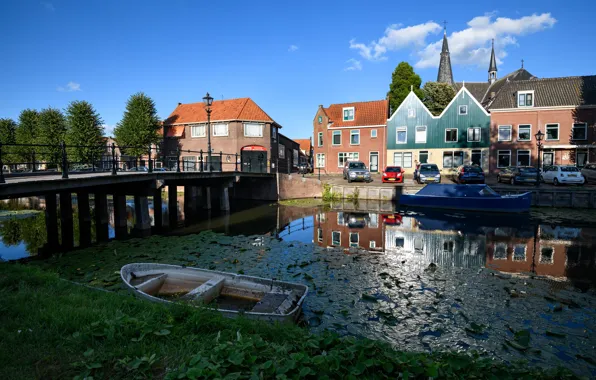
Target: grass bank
51	328
302	202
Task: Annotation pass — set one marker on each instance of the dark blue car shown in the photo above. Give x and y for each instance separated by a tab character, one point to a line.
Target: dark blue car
469	174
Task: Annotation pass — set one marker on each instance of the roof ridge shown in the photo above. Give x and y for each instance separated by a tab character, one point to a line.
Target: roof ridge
215	100
366	101
556	78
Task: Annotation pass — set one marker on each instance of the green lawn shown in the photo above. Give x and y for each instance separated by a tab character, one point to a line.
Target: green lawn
52	328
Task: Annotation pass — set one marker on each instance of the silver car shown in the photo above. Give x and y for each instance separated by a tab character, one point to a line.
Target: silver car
429	173
356	171
589	172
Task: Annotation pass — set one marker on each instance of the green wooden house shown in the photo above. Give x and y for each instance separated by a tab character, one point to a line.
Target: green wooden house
459	135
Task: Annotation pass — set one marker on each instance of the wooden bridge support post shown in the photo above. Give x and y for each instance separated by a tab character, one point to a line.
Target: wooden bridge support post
84	219
102	218
142	221
173	205
66	223
51	223
157	210
224	198
206	197
120	217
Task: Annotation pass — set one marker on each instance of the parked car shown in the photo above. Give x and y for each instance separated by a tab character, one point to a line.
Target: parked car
305	168
561	174
589	172
429	173
469	174
356	171
393	174
518	174
138	169
356	219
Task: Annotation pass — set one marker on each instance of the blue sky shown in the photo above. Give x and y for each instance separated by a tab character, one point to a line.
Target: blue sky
288	56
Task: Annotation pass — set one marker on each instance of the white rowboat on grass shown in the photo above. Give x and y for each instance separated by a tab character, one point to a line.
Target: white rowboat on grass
228	293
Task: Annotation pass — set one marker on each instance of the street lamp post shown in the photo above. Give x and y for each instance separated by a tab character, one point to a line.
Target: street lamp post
208	100
539	135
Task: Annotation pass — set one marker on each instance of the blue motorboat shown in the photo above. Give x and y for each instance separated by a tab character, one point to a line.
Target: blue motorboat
466	197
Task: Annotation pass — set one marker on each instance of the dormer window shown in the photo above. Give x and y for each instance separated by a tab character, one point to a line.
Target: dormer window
411	112
525	99
348	114
320	119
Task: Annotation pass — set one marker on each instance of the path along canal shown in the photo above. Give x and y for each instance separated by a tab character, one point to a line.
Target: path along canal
507	287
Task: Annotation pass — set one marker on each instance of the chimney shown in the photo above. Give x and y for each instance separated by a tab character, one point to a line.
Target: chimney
179	103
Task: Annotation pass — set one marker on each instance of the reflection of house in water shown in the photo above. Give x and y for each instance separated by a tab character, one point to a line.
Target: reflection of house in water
349	230
448	248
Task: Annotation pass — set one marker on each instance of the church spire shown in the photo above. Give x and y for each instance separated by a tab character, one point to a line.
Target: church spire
492	67
445	74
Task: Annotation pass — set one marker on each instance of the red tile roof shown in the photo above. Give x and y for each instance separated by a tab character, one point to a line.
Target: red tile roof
177	131
304	144
365	113
230	109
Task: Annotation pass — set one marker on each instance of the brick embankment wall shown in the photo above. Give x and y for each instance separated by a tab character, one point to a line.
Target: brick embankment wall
294	186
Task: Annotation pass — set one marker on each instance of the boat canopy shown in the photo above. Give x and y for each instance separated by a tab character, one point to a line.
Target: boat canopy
457	191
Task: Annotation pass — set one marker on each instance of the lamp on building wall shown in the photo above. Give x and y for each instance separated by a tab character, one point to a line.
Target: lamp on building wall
208	100
539	135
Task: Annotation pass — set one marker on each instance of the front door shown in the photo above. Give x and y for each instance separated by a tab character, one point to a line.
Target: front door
374	162
254	161
548	158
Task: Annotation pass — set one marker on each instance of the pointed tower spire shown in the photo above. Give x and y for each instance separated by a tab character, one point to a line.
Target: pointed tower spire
492	67
445	73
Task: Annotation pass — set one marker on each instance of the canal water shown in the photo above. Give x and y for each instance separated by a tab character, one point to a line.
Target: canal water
510	287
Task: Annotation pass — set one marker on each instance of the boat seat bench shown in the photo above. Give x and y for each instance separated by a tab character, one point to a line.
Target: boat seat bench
269	303
207	291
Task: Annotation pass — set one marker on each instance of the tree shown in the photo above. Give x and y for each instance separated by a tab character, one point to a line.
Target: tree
139	127
402	80
52	131
7	136
27	133
437	96
85	131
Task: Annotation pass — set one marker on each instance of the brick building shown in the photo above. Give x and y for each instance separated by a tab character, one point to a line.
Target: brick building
349	132
349	230
564	109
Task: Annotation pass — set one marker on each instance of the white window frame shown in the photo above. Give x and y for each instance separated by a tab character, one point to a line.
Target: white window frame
213	129
411	112
456	135
495	251
476	151
372	244
357	242
192	126
459	108
499	152
333	138
524	125
403	155
354	132
320	235
343	113
401	129
525	252
373	133
517	156
348	156
320	139
479	134
416	140
525	93
540	261
338	241
504	127
320	158
253	124
585	131
546	131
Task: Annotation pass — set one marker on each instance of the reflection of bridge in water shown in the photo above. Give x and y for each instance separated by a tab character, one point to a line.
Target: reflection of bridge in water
295	226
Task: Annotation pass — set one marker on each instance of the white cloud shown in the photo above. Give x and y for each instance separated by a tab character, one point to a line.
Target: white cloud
108	130
472	45
292	48
355	65
70	87
48	6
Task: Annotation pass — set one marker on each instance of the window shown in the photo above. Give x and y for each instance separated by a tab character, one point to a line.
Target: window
354	239
525	99
524	132
295	157
373	133
519	252
335	238
448	246
220	129
450	135
423	157
504	132
579	131
503	158
320	160
523	158
319	235
546	255
552	132
342	158
374	220
453	159
320	136
474	134
418	245
355	137
500	252
463	110
198	130
421	135
372	244
348	114
189	163
340	218
274	133
336	138
320	119
411	112
477	157
253	130
402	159
282	151
401	135
400	242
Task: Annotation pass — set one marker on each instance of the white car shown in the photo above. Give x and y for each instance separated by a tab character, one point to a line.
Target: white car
563	174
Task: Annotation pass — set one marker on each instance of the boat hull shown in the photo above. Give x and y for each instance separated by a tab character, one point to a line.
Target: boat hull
512	204
188	275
